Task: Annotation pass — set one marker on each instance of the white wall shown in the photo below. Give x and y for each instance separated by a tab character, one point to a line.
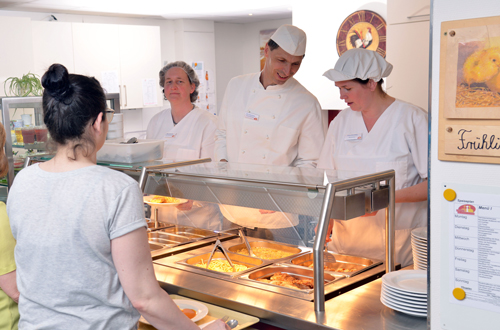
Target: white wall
321	24
441	172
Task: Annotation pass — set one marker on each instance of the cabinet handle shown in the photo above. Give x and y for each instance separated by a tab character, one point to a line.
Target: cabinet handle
125	88
120	87
415	16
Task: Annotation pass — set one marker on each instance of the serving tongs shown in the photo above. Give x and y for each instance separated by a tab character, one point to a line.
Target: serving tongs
218	245
244	238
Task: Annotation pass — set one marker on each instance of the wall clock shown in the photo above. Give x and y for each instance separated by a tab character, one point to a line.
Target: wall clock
362	29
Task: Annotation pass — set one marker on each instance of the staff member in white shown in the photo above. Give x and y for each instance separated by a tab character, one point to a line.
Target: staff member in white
187	130
377	133
269	117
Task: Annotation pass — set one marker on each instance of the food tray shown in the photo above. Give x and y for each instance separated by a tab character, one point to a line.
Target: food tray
300	273
165	239
142	151
251	263
268	244
189	232
214	312
157	226
357	264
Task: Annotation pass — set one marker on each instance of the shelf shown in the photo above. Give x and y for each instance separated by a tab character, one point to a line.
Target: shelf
36	145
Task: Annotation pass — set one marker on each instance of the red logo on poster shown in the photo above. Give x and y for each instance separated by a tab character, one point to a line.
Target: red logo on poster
466	209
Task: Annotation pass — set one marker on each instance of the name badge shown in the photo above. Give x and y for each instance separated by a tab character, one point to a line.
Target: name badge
170	135
251	116
354	137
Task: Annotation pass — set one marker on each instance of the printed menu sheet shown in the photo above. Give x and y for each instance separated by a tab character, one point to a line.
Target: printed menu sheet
474	228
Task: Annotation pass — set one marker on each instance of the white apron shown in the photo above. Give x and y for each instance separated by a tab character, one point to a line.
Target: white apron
192	138
398	141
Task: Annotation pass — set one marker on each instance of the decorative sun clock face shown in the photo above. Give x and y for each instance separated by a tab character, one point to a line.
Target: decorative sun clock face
362	29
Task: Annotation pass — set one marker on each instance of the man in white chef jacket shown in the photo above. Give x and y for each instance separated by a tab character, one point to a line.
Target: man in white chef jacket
269	117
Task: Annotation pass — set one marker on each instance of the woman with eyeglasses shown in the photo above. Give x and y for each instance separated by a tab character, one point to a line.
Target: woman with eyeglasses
188	131
83	259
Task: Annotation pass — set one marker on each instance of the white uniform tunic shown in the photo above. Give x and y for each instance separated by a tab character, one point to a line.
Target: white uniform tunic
280	125
192	138
398	141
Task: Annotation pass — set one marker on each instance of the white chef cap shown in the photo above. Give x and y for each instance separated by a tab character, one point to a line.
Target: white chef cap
291	39
359	63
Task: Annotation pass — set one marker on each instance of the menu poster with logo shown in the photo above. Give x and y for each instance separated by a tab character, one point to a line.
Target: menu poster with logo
474	258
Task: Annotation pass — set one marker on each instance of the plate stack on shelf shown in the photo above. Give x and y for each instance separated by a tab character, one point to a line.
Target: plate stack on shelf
405	291
419	248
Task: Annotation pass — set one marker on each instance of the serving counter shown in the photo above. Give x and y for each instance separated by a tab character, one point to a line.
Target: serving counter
279	205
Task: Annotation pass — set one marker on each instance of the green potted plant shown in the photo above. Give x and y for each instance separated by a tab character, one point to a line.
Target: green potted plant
28	85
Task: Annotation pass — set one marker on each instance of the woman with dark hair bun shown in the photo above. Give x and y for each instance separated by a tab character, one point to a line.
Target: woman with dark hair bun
82	255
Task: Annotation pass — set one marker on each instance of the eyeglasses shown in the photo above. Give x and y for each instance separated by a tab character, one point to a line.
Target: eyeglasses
109	114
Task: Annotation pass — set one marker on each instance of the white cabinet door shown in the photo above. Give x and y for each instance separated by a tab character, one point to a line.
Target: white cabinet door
16	48
408	52
96	49
140	58
52	43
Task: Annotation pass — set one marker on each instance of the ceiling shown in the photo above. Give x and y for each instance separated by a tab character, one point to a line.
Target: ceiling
228	11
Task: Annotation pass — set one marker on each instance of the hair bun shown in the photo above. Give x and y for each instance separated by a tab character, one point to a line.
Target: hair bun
56	82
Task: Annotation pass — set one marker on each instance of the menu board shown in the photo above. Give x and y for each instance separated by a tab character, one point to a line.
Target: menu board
474	258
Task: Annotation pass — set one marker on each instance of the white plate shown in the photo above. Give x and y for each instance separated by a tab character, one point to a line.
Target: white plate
404	292
402	310
420	233
201	310
409	296
414	281
420	244
397	299
148	198
420	255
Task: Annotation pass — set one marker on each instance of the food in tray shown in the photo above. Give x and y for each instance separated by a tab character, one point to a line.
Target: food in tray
266	253
288	281
222	266
164	199
338	269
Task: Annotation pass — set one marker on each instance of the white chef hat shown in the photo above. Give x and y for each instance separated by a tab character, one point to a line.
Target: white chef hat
291	39
359	63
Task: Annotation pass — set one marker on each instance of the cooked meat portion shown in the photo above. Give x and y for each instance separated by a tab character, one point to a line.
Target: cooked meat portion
288	281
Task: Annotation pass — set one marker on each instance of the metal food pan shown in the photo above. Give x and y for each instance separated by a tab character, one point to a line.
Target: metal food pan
157	226
268	244
166	239
346	265
154	247
189	232
299	273
251	263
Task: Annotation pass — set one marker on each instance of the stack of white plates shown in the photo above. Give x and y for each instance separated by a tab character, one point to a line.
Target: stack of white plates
405	291
419	247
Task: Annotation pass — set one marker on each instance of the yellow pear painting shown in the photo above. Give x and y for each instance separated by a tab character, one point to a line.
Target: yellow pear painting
478	75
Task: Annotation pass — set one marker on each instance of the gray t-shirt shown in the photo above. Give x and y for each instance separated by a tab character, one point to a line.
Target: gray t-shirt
63	224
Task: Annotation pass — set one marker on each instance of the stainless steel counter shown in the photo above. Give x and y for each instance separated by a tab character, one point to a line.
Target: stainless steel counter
359	308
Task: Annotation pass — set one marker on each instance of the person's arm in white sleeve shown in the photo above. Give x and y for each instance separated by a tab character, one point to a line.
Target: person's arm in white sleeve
325	160
418	142
132	260
311	139
208	140
220	151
